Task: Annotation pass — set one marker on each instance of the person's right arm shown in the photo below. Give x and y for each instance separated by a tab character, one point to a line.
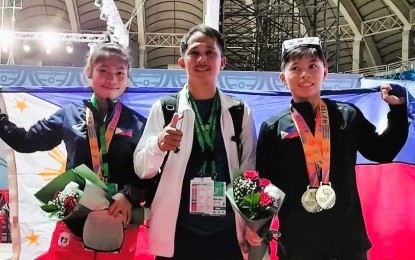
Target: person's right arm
155	142
42	136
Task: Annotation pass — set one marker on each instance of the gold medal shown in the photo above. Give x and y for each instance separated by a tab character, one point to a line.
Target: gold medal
308	200
325	196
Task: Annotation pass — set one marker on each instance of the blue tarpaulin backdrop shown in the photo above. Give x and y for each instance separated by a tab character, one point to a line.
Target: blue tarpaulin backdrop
263	105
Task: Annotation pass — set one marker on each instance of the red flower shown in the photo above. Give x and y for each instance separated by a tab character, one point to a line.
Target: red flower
264	199
69	204
251	199
264	182
253	175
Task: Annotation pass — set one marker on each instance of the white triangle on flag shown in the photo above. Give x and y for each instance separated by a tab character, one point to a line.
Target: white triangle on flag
284	134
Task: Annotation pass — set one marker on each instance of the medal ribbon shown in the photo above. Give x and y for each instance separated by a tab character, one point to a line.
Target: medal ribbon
316	148
99	166
206	133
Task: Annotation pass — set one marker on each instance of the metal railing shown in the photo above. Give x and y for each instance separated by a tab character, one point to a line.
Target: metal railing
386	70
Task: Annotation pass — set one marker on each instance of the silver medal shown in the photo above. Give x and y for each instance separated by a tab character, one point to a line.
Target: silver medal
308	200
325	196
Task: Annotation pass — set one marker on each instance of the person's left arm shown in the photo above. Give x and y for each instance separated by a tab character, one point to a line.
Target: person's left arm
385	146
248	139
247	162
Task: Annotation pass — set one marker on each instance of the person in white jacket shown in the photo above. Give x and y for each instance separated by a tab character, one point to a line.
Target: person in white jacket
184	224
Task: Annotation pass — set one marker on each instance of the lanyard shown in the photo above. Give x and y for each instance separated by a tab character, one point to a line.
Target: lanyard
206	133
316	148
105	137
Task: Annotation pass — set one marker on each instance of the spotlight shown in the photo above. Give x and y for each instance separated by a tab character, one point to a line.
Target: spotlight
6	40
98	3
69	47
106	12
50	40
26	46
103	16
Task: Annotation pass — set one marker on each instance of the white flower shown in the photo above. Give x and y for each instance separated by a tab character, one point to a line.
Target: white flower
71	188
273	191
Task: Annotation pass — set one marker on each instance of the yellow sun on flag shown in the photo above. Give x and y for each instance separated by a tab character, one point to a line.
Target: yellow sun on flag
33	238
21	105
50	173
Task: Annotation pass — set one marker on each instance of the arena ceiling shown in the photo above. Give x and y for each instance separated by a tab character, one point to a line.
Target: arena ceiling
357	33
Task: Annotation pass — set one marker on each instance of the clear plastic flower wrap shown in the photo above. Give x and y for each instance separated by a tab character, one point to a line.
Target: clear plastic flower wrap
258	201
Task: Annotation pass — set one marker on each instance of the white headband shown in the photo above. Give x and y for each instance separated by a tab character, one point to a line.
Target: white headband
311	42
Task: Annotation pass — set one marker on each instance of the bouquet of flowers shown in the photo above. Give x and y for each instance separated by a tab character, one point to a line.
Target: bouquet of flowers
61	196
80	199
63	202
258	201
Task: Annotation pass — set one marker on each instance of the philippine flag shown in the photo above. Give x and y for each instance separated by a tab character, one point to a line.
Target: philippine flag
290	133
124	131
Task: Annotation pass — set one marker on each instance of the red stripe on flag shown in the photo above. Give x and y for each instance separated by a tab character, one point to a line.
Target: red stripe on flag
388	200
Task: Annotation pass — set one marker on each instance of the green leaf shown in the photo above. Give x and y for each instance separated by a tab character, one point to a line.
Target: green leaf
251	201
48	208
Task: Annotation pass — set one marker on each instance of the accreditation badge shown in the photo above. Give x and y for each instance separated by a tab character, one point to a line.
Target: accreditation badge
219	199
308	200
325	196
201	196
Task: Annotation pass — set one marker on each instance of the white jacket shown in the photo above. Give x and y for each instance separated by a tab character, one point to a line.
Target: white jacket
148	159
